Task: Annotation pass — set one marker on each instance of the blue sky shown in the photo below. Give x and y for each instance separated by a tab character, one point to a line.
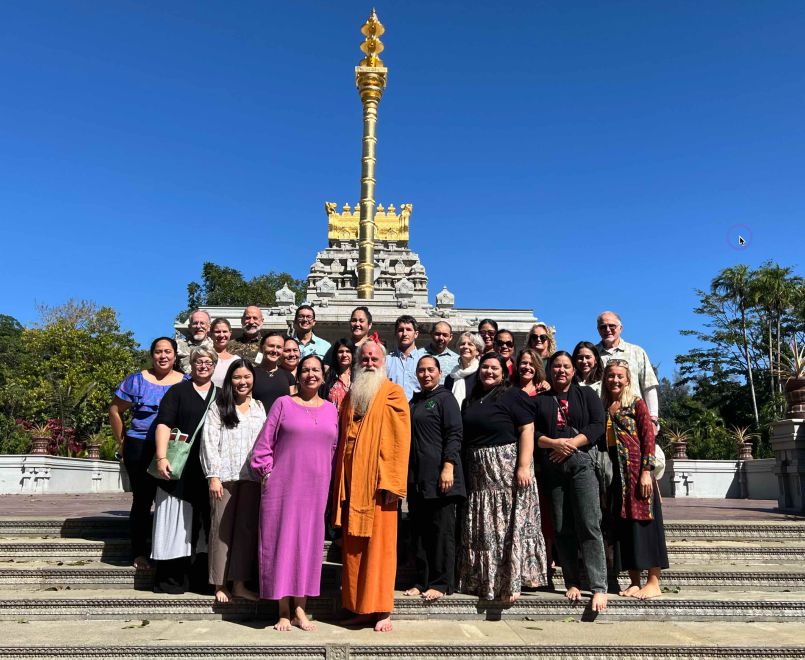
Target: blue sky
564	156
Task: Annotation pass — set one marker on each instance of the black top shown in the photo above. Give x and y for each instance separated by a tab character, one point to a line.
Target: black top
270	386
182	408
585	413
436	432
494	420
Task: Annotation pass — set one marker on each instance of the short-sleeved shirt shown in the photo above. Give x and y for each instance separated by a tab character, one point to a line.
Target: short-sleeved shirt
186	344
316	345
640	369
402	370
492	422
271	385
144	397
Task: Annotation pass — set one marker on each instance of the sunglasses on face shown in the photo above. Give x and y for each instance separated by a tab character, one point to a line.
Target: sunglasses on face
607	326
509	344
539	338
486	333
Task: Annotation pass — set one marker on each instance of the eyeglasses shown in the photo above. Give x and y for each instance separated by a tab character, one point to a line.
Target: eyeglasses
509	344
607	326
203	363
304	317
539	338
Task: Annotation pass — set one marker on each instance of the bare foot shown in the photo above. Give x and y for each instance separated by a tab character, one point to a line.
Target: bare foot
358	620
649	591
141	563
432	594
513	598
631	590
243	592
413	591
383	622
301	621
222	595
573	594
599	602
283	625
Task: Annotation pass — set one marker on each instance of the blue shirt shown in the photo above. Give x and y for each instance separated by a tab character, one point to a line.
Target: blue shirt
144	397
402	370
447	361
316	345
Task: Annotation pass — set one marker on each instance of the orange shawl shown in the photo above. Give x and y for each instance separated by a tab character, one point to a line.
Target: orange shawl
379	459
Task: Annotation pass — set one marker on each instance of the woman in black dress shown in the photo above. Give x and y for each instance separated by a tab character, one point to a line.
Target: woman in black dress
435	482
181	506
502	548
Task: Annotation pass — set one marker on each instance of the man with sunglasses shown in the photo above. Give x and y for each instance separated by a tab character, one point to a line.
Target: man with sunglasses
611	346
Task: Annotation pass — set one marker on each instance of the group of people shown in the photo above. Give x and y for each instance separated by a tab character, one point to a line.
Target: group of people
509	462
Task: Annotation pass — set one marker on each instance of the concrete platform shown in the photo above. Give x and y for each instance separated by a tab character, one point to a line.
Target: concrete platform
410	639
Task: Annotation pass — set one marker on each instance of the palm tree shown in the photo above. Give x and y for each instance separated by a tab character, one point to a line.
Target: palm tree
735	285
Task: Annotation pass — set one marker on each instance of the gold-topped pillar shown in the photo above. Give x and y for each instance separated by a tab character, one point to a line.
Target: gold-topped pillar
370	79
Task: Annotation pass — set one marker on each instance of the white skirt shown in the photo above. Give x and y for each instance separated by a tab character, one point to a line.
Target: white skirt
172	534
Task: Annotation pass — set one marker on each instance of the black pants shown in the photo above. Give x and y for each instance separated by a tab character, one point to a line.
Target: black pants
433	536
137	455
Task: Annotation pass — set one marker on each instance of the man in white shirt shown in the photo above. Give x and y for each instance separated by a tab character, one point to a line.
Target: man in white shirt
644	380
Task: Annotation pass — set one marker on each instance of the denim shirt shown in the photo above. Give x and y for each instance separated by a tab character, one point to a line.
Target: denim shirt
402	370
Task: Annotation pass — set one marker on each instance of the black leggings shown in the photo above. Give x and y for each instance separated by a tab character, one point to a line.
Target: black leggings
137	455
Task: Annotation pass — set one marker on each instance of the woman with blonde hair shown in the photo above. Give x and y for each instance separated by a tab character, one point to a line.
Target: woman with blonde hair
635	499
541	338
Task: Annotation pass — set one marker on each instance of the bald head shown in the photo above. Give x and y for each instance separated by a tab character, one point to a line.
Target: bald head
252	320
372	356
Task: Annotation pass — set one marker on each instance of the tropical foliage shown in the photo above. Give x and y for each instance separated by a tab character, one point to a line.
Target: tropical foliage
61	373
734	378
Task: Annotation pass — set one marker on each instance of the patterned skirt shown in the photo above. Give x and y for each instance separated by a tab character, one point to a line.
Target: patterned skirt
501	549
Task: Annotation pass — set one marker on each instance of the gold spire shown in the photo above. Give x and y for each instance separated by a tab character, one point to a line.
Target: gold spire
370	79
372	46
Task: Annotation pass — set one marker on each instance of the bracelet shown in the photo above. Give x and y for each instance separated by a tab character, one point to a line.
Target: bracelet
164	458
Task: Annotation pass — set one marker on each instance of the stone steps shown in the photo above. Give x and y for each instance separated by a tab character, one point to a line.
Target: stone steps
541	606
116	550
104	527
208	640
80	574
171	640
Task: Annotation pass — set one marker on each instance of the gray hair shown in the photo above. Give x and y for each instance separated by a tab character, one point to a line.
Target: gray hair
376	343
475	338
607	311
199	311
200	351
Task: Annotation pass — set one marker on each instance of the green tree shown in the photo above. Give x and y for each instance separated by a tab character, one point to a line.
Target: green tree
735	287
69	365
222	286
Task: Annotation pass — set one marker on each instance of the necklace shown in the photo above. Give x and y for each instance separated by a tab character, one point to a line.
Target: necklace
309	410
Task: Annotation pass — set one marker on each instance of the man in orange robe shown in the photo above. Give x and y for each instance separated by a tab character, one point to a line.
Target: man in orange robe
370	478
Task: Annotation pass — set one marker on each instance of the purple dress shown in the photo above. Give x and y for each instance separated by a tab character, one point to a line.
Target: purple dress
295	450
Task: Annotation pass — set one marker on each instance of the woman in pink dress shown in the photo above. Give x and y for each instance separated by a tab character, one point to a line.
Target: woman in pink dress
293	456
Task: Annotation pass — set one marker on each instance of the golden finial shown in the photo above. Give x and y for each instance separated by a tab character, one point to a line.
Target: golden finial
372	46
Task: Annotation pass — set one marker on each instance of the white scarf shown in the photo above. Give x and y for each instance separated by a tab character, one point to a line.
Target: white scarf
459	383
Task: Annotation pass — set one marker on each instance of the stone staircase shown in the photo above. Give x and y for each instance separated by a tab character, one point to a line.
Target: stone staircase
735	590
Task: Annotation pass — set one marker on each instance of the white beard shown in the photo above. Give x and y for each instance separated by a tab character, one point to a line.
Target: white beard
365	385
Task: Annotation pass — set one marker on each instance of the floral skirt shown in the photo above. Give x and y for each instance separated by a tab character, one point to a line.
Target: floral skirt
501	549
